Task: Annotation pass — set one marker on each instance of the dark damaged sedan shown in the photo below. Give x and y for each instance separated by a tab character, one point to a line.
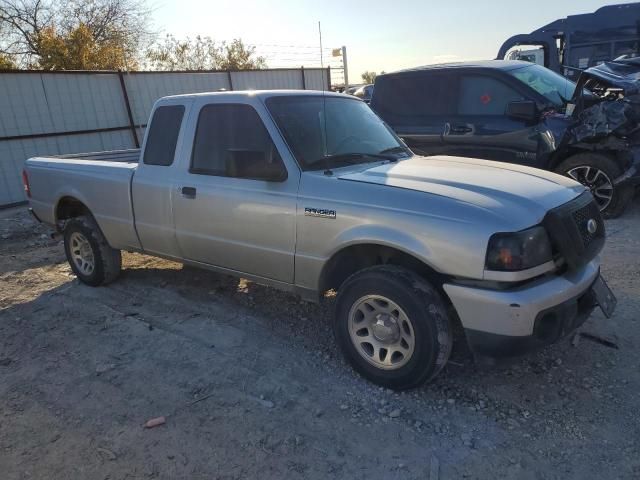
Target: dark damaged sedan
522	113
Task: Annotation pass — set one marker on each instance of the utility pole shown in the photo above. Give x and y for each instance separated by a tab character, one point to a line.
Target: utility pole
344	67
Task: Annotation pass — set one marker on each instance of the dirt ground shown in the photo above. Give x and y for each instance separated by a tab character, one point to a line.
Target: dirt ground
252	386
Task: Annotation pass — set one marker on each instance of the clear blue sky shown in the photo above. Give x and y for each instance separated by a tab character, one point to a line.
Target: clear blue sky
379	35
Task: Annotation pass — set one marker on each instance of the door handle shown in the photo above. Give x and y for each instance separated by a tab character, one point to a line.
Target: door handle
460	129
188	192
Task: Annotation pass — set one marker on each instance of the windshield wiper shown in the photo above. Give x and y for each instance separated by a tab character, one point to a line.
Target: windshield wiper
397	149
346	157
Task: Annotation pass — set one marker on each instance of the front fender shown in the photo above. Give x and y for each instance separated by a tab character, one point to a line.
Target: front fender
384	236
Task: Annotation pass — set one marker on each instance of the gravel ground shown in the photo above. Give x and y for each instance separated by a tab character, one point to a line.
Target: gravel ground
252	386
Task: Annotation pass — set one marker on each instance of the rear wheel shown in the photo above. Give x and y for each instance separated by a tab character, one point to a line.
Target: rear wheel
392	326
90	256
598	172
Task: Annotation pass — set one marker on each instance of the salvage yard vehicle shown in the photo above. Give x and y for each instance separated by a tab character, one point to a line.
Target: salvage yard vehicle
311	192
572	44
513	111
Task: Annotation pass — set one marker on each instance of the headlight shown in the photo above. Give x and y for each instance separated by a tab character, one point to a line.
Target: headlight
509	252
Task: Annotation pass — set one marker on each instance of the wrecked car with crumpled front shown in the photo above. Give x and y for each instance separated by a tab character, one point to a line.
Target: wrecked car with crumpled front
518	112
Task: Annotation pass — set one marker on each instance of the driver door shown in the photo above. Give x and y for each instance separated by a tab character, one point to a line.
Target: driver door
481	128
226	213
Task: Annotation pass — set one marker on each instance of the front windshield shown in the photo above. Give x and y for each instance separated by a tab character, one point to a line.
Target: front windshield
557	89
326	132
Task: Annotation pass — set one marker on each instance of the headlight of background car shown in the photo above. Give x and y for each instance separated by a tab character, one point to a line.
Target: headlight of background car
508	252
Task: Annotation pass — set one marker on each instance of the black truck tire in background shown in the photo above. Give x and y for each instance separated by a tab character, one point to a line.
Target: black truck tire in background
423	306
576	167
107	261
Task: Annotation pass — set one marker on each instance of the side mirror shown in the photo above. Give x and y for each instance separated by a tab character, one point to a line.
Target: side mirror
254	165
523	110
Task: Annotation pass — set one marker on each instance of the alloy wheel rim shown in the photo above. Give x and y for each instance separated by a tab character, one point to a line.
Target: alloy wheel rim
81	253
381	332
597	181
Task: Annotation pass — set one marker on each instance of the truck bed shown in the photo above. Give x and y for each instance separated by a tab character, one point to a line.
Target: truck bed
99	180
131	155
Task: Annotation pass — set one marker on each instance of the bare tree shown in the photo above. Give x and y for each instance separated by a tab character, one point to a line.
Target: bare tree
27	25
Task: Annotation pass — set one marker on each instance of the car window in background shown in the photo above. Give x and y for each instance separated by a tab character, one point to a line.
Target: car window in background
626	48
483	95
554	87
317	127
405	100
364	92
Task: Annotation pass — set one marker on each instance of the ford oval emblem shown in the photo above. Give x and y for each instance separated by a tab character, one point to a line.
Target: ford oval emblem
592	226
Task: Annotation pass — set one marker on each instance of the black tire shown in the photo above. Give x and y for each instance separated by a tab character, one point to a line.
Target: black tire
621	195
107	261
421	303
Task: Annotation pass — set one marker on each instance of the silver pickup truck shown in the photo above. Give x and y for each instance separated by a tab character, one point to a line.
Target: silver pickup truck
311	192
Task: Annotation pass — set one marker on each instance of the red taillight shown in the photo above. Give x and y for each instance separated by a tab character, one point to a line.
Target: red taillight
25	182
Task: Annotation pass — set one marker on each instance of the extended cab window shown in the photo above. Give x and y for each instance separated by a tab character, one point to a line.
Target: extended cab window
405	100
483	95
232	141
163	135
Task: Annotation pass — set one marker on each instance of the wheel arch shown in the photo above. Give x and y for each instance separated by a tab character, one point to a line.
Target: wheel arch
68	206
357	256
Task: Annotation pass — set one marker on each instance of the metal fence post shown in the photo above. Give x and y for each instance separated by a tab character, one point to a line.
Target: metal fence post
304	81
230	80
132	124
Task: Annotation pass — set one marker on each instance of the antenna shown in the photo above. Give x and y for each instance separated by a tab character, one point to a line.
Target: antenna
324	104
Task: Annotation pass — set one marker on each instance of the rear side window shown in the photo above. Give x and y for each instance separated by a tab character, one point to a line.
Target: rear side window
406	100
232	141
626	48
589	55
481	95
160	148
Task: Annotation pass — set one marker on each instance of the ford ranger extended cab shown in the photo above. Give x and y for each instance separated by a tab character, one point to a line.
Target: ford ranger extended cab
311	192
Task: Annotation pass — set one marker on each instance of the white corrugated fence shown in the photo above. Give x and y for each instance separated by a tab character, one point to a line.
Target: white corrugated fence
55	113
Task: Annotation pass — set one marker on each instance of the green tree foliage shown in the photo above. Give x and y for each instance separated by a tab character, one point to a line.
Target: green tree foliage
6	63
88	34
202	53
237	56
79	50
369	77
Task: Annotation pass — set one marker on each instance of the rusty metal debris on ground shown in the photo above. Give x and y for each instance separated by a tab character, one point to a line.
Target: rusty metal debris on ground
601	340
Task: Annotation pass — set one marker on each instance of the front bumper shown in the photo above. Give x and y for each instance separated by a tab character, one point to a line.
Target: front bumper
511	322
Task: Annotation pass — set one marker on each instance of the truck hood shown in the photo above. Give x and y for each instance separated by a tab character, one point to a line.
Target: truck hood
505	190
624	74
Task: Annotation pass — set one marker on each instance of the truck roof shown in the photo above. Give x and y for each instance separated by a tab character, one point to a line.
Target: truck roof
262	94
492	64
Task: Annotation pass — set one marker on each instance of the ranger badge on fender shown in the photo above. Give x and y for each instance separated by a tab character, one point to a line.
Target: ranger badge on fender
319	212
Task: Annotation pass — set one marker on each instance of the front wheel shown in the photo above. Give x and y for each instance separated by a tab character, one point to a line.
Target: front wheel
598	172
392	326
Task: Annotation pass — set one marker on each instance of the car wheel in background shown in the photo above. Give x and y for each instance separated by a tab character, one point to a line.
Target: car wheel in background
598	172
